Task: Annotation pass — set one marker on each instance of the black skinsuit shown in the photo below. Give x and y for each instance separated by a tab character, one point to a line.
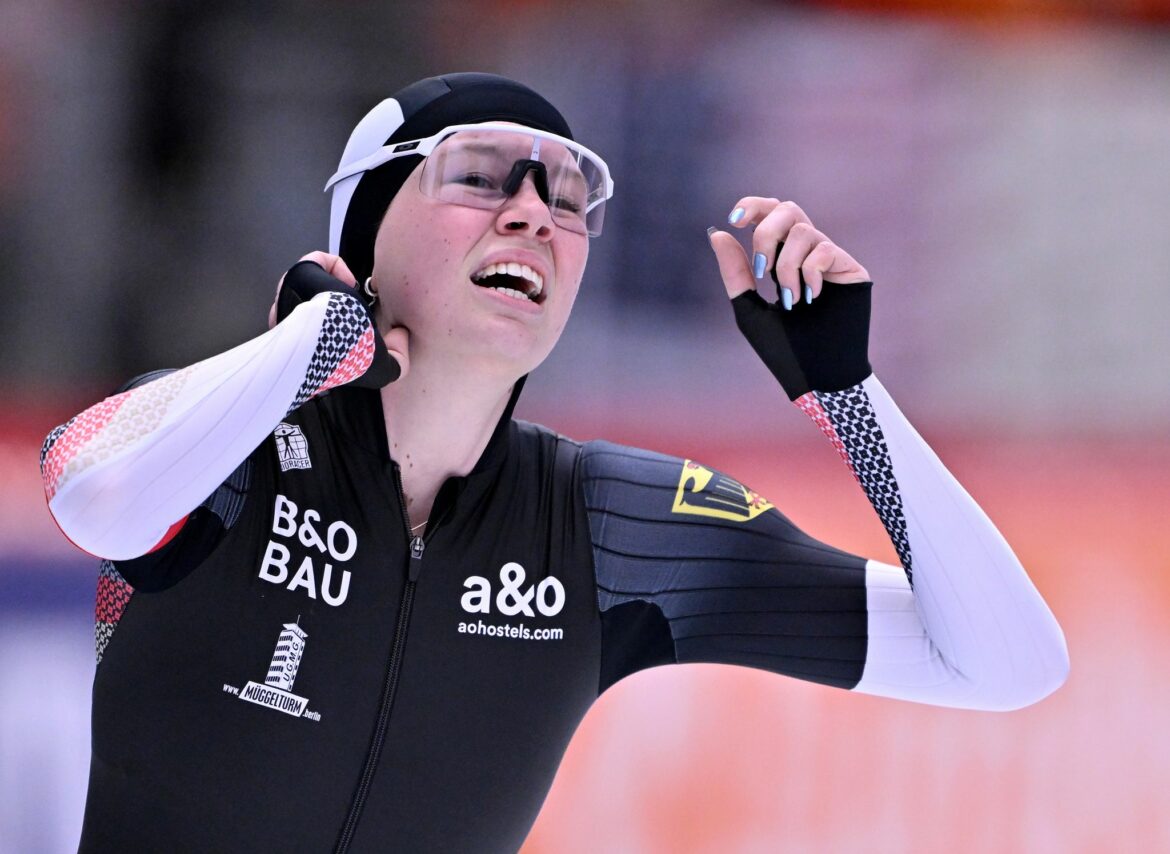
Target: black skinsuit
294	672
409	723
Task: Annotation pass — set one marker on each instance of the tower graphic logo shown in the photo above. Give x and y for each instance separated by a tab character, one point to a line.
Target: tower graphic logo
276	690
292	448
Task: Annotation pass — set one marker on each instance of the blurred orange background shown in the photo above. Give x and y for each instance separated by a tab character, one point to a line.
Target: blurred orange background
714	759
702	758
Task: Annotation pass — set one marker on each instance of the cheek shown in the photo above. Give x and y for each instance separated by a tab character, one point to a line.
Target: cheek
572	262
411	255
569	291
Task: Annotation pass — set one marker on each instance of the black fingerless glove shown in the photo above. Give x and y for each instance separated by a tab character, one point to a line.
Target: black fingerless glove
305	280
822	346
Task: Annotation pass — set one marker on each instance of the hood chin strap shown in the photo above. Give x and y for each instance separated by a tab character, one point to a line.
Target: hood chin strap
515	396
497	444
522	168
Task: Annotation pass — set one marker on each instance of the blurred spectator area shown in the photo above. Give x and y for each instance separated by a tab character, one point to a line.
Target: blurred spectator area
1001	168
1002	176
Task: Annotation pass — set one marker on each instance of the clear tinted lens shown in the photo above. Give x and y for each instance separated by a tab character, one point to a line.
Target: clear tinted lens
576	188
472	168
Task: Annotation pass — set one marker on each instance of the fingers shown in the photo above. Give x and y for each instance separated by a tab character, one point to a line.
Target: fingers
333	265
398	344
818	261
753	210
773	220
800	241
783	236
734	268
781	241
812	269
275	300
785	241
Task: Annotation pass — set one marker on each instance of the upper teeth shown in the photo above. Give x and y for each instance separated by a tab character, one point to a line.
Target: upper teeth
511	268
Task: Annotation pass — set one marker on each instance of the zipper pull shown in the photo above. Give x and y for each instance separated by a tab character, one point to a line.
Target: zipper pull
416	553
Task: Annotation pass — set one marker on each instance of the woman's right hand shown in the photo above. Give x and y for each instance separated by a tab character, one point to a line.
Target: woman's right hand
396	338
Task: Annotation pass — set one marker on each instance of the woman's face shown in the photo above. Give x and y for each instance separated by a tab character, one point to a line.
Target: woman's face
427	253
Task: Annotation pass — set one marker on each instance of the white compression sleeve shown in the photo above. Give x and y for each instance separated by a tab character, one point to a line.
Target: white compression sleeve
122	473
970	630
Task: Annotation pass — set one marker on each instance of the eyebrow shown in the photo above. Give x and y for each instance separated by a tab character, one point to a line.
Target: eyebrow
478	147
575	174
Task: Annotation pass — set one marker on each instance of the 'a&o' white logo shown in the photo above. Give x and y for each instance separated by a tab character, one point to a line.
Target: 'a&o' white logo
548	596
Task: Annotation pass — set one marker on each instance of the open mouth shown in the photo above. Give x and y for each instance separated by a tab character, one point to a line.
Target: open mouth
512	279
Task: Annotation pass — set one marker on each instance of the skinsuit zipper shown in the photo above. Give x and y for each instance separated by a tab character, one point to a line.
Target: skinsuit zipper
390	686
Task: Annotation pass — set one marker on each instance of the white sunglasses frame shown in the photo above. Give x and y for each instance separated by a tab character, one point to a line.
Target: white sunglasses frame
426	145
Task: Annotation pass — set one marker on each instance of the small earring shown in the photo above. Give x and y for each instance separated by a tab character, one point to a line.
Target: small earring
369	291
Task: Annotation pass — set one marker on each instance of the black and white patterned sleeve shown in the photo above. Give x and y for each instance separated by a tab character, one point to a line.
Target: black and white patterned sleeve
959	623
122	476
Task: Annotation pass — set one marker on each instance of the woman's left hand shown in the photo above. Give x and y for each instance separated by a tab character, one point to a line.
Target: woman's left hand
803	250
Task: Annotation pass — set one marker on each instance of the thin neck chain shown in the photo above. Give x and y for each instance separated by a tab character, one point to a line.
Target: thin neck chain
419	525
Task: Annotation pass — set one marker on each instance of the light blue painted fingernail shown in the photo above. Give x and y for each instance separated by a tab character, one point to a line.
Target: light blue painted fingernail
759	261
736	216
808	294
786	297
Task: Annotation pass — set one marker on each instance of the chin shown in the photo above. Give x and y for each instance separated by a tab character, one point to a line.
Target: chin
509	351
522	360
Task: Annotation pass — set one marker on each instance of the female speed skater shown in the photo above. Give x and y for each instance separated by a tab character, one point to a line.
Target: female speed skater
348	603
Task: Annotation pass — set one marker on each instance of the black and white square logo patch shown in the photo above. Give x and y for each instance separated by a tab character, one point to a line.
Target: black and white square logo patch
291	447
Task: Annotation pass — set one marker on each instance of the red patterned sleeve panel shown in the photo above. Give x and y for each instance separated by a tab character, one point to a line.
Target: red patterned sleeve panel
113	595
120	475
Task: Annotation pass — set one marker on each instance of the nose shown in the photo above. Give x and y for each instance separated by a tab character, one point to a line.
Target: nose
526	211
